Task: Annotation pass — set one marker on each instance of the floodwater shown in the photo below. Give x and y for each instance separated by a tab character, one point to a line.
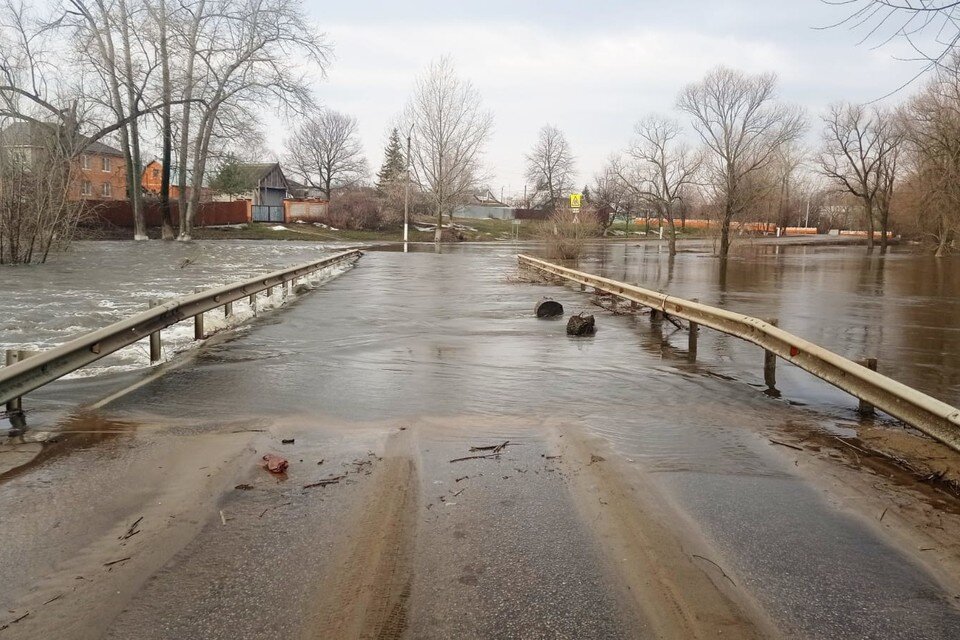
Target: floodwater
97	283
450	337
902	308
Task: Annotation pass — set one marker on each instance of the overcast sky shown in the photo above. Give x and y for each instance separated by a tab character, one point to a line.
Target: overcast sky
591	68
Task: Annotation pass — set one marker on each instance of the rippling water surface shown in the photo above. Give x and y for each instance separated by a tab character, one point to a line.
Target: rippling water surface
97	283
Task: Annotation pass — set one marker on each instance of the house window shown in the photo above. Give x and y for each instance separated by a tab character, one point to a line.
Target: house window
86	189
106	190
106	163
85	161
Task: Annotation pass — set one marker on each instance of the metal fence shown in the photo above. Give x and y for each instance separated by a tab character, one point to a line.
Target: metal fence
46	366
931	416
266	213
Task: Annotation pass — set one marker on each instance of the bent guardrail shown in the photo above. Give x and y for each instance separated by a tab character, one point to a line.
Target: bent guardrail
931	416
46	366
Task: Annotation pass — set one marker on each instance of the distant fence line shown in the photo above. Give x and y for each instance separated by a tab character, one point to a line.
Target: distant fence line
119	213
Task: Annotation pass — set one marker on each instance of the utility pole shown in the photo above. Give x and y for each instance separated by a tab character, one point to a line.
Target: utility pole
406	196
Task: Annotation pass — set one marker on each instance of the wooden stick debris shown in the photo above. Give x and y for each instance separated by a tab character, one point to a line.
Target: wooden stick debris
495	448
132	529
489	455
113	562
262	513
786	444
718	567
324	482
14	621
223	518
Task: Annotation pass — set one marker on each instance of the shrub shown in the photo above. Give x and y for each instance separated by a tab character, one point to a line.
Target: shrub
566	232
355	210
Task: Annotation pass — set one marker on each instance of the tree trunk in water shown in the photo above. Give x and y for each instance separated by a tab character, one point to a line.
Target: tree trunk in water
869	209
133	150
438	235
884	216
673	234
725	232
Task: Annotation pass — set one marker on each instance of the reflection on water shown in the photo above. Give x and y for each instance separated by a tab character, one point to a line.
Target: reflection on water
902	308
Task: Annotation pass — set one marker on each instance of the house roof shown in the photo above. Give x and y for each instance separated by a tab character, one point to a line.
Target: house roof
27	133
254	173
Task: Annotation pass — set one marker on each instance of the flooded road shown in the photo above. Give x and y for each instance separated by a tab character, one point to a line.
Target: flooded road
644	496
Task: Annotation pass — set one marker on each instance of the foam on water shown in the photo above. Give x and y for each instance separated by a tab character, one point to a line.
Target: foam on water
98	283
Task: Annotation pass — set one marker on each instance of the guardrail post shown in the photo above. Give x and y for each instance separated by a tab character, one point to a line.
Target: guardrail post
198	324
155	337
13	356
770	363
228	310
583	287
252	300
692	337
865	407
269	292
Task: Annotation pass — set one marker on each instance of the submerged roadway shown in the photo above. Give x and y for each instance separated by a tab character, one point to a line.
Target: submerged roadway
638	496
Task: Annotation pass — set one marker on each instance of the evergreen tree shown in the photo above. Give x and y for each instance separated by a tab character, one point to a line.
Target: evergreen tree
394	164
587	196
232	179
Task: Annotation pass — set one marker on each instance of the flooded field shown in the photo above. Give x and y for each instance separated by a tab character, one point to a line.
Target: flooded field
902	308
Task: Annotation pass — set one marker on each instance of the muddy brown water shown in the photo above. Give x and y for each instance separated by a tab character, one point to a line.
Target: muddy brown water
451	338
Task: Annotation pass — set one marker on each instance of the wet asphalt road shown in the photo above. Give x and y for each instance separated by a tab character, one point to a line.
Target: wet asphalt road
449	339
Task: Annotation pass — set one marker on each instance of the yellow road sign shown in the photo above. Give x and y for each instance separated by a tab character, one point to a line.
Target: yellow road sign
575	200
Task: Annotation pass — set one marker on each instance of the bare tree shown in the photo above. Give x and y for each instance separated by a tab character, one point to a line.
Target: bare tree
240	54
741	122
788	161
659	167
933	145
96	25
325	151
931	28
449	129
857	155
550	167
611	192
37	91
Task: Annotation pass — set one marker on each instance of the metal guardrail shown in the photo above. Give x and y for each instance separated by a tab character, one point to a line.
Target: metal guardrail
49	365
931	416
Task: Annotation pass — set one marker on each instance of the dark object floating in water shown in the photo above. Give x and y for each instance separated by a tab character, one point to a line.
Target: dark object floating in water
548	308
581	325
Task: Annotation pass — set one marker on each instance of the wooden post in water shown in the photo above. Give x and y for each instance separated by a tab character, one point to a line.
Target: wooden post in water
865	407
155	337
770	363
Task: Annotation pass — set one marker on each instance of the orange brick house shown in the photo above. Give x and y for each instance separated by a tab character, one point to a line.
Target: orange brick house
150	182
99	173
